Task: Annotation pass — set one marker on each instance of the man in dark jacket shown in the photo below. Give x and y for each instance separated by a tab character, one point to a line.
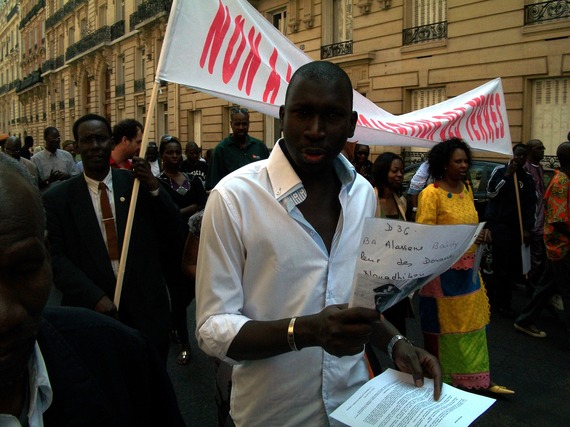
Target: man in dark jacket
506	224
64	366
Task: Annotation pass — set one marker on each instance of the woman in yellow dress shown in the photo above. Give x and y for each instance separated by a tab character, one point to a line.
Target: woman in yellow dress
454	308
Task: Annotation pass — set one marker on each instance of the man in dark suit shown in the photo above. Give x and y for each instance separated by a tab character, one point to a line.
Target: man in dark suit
85	253
64	366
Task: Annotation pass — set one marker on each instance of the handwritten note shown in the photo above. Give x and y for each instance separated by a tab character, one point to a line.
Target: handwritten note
395	258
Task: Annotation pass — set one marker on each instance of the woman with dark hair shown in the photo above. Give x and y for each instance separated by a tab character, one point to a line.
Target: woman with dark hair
387	177
188	193
454	308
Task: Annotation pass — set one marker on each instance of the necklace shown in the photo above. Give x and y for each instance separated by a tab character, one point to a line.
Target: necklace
450	194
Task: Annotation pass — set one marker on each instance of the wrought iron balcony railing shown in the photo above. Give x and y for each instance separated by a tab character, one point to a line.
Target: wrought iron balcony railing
336	49
102	35
435	31
148	9
59	61
33	11
33	78
48	65
12	13
140	85
546	11
61	13
120	90
118	29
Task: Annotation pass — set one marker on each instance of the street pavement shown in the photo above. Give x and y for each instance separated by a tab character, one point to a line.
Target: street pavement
537	369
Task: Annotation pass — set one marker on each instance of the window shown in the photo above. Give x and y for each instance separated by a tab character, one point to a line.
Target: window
429	12
426	20
551	112
71	36
342	20
102	15
279	19
119	10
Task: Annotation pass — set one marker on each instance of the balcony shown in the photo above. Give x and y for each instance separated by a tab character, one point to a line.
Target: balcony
118	29
61	13
48	65
12	13
39	5
33	78
120	90
149	9
423	33
546	11
336	49
71	102
61	105
59	61
140	85
102	35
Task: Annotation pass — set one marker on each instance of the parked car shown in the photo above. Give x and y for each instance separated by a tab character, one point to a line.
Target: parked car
479	175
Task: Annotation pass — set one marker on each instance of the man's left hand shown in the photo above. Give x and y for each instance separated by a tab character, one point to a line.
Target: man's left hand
142	171
419	363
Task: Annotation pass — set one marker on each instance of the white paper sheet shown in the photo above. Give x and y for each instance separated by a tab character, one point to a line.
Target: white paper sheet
392	400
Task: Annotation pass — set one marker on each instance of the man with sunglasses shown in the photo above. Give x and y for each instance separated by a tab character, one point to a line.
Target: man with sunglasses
236	150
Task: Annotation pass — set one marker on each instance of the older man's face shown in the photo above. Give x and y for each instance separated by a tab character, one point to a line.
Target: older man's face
25	275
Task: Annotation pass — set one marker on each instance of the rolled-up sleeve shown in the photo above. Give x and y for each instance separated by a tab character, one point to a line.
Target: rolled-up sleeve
219	292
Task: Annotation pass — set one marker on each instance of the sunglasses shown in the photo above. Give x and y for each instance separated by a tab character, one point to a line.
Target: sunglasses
169	138
236	110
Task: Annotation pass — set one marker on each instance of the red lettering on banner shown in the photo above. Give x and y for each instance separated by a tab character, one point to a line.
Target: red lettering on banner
274	79
230	64
215	38
252	62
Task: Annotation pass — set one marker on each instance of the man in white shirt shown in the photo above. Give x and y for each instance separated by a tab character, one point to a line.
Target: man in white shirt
278	246
13	148
53	164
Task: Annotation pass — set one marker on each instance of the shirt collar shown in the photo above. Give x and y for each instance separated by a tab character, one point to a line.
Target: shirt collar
93	184
41	393
285	181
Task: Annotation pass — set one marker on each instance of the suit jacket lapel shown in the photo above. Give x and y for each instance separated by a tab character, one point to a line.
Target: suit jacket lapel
122	191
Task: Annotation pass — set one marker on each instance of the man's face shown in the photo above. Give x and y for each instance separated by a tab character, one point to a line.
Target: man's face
53	140
134	145
193	154
152	152
70	148
240	125
536	152
25	276
519	156
12	148
361	154
316	121
95	144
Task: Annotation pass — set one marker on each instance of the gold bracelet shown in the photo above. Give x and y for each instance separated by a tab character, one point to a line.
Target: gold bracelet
291	335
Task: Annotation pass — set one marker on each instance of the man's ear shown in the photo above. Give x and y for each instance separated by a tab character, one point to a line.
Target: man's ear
281	114
353	120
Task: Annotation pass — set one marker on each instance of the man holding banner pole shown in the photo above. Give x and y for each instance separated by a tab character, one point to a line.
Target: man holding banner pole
87	222
277	256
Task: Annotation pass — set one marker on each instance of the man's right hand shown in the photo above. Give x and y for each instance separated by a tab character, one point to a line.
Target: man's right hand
339	330
107	307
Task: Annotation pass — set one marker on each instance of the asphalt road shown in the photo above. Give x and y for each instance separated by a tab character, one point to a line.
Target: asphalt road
537	369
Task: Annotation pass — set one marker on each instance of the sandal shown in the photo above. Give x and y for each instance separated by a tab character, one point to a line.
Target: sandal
499	389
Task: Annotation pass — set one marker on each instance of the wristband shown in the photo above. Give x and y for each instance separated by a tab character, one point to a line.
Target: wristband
393	342
291	335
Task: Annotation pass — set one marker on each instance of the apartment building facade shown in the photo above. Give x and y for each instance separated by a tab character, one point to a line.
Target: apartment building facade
79	56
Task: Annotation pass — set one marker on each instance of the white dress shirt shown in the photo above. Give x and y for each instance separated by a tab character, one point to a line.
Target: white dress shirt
260	259
40	394
93	186
47	162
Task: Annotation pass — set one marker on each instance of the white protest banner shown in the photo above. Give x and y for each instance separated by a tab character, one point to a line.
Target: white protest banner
227	49
395	258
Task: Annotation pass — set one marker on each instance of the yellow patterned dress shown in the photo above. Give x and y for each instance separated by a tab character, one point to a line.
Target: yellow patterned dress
454	308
